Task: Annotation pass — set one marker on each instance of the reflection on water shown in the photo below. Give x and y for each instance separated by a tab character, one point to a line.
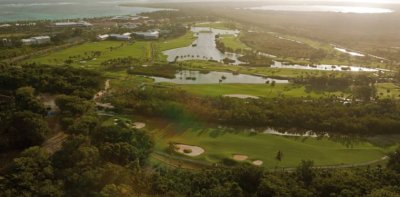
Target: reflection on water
204	47
196	77
306	134
349	52
323	8
326	67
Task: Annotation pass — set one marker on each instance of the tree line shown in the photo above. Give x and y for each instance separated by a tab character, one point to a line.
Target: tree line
330	115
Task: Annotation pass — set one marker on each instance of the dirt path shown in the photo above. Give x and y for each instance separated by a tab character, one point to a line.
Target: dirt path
178	162
55	143
99	95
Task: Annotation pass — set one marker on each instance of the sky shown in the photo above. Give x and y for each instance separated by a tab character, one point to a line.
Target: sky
343	1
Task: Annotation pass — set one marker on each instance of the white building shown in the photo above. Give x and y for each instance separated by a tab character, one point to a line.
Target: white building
73	24
6	42
103	37
120	37
5	25
36	40
149	35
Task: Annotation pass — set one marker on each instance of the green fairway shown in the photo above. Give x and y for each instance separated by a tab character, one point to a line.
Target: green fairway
222	143
107	50
261	71
182	41
388	90
263	90
234	43
219	144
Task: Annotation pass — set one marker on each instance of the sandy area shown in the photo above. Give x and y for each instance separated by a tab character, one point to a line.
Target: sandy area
195	150
240	157
241	96
138	125
257	162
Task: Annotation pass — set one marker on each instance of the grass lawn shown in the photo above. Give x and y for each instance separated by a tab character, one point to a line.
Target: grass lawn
261	90
233	42
219	144
140	49
223	143
216	25
182	41
264	71
388	90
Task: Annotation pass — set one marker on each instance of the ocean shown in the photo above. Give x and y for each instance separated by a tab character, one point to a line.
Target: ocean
22	10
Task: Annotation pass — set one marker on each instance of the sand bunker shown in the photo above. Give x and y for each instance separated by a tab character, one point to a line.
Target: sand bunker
257	162
188	150
240	157
138	125
241	96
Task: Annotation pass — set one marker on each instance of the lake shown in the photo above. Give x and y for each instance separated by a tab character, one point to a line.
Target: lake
323	8
19	10
214	77
204	47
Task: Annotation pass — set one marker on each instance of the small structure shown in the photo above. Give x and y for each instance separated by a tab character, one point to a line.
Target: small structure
130	25
39	40
102	37
5	25
74	24
6	42
120	37
149	35
121	18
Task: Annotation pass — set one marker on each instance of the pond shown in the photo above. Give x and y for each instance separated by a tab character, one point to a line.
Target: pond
204	47
214	77
326	67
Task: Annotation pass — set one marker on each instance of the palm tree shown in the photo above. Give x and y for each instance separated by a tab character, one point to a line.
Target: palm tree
278	157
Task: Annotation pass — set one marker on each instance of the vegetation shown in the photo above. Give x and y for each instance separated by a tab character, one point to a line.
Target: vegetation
223	143
320	115
48	79
97	151
167	71
280	46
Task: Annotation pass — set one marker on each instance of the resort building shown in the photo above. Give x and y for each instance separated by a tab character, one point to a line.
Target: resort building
74	24
6	42
120	37
149	35
5	25
36	40
103	37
